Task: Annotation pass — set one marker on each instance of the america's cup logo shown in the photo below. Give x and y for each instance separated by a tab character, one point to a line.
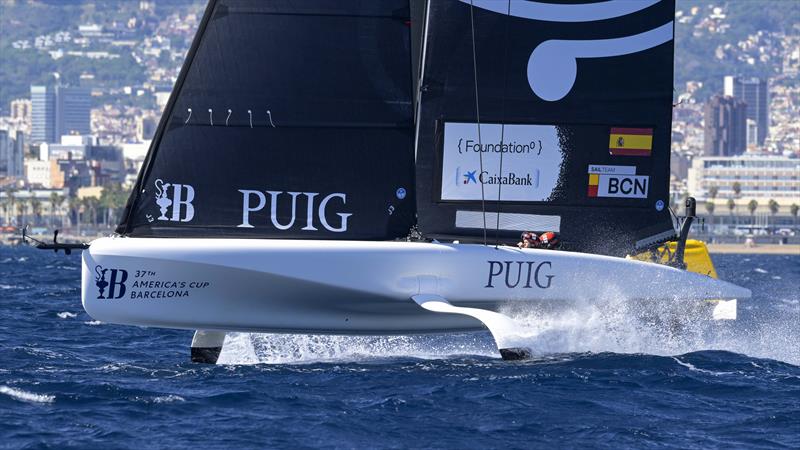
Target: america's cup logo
553	64
115	284
180	201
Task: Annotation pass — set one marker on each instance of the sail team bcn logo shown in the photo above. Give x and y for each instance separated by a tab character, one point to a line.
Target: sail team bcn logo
553	65
616	182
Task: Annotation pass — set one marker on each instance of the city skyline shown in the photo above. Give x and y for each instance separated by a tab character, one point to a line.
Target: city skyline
78	132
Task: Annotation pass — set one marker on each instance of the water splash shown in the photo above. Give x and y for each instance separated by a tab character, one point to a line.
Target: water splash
612	324
243	348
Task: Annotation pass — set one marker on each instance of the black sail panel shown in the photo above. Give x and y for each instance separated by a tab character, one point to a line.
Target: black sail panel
290	120
575	103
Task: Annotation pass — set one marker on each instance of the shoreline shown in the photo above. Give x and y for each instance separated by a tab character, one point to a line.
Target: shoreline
758	249
720	249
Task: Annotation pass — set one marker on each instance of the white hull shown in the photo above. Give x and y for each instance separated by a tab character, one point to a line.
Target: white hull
346	287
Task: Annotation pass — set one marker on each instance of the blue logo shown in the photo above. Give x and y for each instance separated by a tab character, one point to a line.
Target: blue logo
115	285
401	193
469	177
660	205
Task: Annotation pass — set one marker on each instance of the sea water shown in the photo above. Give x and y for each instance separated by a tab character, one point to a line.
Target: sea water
604	376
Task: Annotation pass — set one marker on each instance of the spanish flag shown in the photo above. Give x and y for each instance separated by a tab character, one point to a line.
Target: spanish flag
630	141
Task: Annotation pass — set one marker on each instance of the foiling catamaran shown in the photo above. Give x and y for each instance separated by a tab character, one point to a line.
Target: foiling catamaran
355	167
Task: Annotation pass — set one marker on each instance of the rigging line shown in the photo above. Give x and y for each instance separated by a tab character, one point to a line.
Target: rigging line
502	128
478	114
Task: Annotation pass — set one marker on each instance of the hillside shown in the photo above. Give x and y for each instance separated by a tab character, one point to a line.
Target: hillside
708	45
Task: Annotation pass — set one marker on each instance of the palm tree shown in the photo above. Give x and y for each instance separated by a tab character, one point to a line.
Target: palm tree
710	209
74	212
737	188
713	191
773	209
731	207
752	207
56	201
84	210
91	204
36	209
11	201
21	214
112	198
793	209
5	210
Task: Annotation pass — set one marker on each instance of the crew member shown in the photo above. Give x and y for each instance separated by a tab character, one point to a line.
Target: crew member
529	240
548	240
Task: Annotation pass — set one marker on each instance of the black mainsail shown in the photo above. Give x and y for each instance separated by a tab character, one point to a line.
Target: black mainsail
359	119
289	120
574	101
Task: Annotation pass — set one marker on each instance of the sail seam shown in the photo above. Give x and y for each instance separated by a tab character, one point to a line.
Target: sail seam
502	129
418	112
478	114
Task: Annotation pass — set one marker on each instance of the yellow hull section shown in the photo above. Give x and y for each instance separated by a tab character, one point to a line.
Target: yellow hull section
696	257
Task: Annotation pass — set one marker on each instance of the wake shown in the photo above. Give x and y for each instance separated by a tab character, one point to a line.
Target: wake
612	325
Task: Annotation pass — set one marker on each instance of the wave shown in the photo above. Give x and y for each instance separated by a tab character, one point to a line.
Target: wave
25	396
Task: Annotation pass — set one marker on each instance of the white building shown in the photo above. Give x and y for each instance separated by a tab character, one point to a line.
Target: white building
760	178
38	173
71	147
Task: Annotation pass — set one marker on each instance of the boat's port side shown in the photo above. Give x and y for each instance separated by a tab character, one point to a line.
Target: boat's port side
362	288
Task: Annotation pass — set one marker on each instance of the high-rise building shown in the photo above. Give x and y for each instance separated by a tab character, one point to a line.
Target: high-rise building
725	131
73	110
12	149
21	110
752	133
754	92
58	111
145	128
43	114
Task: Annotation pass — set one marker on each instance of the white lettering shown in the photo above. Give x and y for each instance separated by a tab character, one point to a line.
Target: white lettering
310	211
177	202
342	216
246	209
274	209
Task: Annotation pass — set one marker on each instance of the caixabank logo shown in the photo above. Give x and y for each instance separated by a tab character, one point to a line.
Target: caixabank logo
110	282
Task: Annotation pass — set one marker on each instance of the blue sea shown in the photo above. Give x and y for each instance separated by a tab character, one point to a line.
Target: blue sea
603	377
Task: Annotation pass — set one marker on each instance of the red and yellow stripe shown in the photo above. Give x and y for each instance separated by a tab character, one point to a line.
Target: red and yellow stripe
630	141
594	181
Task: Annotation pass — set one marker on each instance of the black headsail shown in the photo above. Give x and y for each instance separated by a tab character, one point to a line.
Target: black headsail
574	98
290	119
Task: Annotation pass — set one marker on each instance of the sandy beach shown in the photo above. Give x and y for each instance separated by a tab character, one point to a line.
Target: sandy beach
764	249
